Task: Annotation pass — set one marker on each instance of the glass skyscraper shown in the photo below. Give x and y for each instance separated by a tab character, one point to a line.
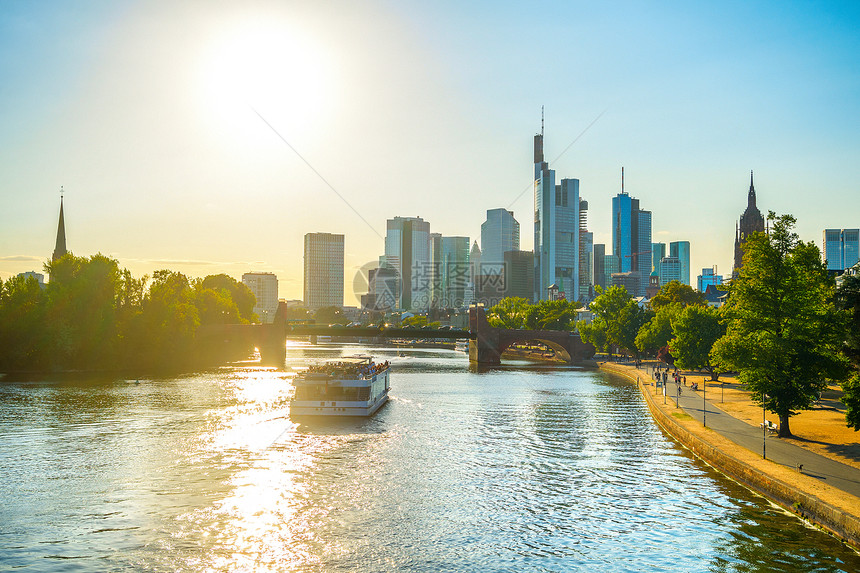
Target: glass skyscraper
408	253
841	248
556	229
500	233
681	251
631	238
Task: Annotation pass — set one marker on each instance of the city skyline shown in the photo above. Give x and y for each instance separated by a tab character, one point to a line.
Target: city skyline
409	109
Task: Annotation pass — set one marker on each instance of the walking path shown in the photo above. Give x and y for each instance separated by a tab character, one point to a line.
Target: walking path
832	472
816	487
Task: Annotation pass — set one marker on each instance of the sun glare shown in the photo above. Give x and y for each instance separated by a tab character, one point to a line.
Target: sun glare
269	68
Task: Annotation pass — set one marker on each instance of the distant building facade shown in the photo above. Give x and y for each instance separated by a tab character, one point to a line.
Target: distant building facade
751	221
265	289
557	229
599	272
670	270
658	251
841	248
681	251
500	233
631	238
456	272
708	277
407	252
323	277
519	274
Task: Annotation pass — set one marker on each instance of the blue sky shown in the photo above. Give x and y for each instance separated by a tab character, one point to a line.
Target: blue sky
149	114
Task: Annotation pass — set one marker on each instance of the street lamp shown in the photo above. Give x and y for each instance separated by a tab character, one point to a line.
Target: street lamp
763	428
704	404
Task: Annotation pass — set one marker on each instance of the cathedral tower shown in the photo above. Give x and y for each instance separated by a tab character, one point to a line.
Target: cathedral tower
751	222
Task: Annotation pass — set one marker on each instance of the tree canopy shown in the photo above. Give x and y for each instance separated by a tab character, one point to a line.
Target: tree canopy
694	332
518	313
784	331
675	292
617	320
848	299
94	315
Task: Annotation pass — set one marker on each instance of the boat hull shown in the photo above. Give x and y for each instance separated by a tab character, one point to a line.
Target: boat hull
306	409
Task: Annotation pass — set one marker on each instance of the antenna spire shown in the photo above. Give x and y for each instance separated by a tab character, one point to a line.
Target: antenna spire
622	180
541	122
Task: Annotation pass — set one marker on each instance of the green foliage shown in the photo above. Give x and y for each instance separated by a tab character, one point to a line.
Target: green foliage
518	313
330	315
848	299
418	321
675	292
551	315
695	331
784	331
657	332
509	313
617	320
94	315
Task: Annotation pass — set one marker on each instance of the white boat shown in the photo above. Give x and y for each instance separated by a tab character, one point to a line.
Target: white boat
350	386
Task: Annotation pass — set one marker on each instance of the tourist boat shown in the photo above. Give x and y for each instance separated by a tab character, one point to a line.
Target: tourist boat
350	386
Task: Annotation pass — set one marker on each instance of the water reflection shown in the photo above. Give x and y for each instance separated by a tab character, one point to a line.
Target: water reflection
519	468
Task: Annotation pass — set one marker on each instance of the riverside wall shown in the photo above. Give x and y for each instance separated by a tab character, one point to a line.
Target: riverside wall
752	471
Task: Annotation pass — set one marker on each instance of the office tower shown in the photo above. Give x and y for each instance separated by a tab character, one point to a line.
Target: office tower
671	269
323	270
383	285
841	248
519	274
556	229
631	237
599	255
611	266
474	274
407	252
751	221
456	272
658	251
500	233
436	295
681	251
60	247
586	255
708	277
265	289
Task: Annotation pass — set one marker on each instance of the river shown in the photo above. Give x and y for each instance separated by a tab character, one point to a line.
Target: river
528	467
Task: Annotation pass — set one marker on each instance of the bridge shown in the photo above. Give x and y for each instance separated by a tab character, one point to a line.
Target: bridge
489	342
233	341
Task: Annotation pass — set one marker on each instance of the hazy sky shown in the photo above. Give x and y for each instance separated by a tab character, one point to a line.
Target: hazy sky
178	128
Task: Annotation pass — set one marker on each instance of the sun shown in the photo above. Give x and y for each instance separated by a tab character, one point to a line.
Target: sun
271	69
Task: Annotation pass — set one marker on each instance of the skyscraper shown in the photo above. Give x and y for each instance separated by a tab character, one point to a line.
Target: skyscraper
599	279
631	238
323	284
586	255
556	229
681	251
708	277
841	248
456	273
60	247
751	221
407	251
500	233
658	251
265	289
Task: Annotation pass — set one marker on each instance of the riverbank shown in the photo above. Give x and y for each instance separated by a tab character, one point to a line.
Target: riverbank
828	507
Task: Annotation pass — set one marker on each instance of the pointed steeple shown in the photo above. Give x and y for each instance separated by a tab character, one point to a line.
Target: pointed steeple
751	197
60	248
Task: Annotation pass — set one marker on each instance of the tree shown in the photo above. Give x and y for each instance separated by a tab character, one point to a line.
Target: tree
784	331
330	315
617	320
676	292
242	300
657	332
22	332
695	331
552	315
510	312
848	299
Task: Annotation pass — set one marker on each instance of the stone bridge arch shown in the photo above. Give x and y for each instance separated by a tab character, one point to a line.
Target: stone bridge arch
489	342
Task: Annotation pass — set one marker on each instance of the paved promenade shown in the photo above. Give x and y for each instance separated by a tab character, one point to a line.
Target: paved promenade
832	472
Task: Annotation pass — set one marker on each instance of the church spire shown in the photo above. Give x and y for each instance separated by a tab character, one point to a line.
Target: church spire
60	248
751	197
